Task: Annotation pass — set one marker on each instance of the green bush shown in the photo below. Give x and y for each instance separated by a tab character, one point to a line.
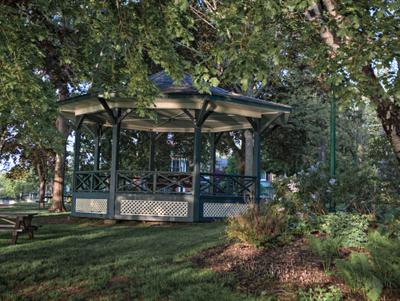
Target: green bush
259	226
330	293
358	188
327	249
388	218
359	273
385	258
304	192
351	228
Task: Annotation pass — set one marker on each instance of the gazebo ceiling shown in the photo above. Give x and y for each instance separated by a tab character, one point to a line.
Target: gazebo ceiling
174	109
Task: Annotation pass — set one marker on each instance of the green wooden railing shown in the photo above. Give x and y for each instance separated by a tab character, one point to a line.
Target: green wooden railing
92	181
165	182
154	182
226	184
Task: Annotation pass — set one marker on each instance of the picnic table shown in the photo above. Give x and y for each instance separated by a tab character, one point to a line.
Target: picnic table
17	223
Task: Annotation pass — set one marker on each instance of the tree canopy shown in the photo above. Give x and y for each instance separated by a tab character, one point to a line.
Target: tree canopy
302	52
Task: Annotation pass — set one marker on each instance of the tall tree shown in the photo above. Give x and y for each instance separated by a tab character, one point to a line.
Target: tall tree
105	46
351	47
363	42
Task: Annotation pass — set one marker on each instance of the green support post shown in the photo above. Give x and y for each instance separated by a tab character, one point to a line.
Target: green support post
213	159
257	159
332	204
196	173
116	128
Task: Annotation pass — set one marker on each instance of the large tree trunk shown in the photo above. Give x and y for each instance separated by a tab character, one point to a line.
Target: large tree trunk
42	185
57	203
58	182
389	114
249	153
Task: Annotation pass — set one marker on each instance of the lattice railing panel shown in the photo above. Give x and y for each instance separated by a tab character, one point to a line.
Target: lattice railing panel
96	206
154	208
223	209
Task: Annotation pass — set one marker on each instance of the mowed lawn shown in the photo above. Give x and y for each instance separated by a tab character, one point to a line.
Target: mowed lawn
87	260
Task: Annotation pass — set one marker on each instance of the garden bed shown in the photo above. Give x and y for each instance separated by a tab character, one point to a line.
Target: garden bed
280	271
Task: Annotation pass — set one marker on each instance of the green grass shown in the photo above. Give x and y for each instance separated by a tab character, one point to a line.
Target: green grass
87	260
30	207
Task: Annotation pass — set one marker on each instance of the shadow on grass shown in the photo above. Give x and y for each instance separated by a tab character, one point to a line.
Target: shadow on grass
120	262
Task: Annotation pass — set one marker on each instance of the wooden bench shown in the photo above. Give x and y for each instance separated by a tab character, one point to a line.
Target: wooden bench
17	223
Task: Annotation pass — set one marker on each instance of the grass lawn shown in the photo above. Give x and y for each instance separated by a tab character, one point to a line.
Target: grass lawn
87	260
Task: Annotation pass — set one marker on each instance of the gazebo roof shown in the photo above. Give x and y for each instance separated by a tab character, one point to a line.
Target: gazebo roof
174	108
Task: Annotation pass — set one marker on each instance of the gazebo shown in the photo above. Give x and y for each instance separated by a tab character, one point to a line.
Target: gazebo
155	195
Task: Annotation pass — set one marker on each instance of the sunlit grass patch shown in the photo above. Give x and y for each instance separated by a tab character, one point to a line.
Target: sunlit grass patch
85	259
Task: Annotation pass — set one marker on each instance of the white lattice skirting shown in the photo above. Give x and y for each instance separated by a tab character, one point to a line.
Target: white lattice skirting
223	209
97	206
154	208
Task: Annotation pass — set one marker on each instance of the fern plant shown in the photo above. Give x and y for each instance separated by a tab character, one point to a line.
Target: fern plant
358	273
385	258
327	249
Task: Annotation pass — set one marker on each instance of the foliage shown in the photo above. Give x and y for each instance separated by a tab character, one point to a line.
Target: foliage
359	274
232	165
259	226
385	258
380	154
14	187
303	192
50	50
356	188
330	293
329	44
375	270
388	219
350	228
303	141
327	249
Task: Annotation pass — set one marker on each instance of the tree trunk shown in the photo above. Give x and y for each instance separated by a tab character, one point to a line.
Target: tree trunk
389	114
42	185
248	152
57	204
240	163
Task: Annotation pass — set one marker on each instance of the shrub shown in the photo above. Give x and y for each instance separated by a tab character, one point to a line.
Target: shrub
330	293
358	273
300	224
388	218
351	228
259	226
357	188
385	258
327	249
303	192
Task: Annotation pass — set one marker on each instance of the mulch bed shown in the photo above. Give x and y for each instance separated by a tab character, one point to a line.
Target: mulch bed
279	271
